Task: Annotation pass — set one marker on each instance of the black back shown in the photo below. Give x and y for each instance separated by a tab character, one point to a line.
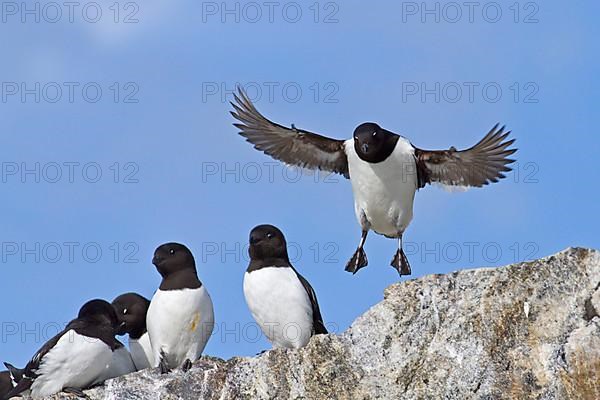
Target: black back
131	309
268	249
374	144
176	264
96	319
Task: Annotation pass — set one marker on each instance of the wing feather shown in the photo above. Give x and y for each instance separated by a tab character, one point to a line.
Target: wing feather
484	163
290	145
318	324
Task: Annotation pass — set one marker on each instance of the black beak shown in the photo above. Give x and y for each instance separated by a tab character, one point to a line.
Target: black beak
156	260
121	329
365	148
254	239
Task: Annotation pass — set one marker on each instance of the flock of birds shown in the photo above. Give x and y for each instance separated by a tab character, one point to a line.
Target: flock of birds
171	330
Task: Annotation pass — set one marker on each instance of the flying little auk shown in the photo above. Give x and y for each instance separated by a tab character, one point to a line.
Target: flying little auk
180	317
76	357
131	309
281	301
384	168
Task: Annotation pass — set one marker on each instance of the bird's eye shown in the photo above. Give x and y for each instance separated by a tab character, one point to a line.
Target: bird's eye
124	311
355	137
374	133
172	251
269	235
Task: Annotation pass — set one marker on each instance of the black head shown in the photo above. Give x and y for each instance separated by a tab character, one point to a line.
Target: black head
99	312
173	257
131	309
372	143
267	242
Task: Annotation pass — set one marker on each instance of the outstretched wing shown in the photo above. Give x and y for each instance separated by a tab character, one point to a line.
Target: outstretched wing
318	324
291	145
477	166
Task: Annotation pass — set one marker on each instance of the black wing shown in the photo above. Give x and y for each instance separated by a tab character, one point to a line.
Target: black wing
477	166
36	360
291	145
318	325
29	373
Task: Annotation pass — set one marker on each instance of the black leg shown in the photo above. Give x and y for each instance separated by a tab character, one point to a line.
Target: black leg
164	366
400	261
76	391
359	258
262	352
187	364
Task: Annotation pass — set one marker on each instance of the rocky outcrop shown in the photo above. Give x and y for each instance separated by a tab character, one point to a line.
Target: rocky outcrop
525	331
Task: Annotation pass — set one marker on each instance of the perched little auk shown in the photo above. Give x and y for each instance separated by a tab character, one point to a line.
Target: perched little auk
120	364
76	357
180	317
384	168
131	309
281	301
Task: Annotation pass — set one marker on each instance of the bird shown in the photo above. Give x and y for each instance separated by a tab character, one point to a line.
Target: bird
121	363
76	357
132	309
180	317
384	168
281	301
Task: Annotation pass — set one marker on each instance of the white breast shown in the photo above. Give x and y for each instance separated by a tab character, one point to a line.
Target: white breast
75	361
384	192
280	305
120	364
179	323
141	352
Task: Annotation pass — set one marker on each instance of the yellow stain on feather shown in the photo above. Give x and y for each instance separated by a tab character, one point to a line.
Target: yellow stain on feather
195	321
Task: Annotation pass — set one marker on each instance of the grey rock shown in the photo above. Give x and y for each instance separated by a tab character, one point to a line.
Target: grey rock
525	331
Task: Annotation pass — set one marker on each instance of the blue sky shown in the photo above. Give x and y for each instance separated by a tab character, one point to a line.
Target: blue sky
126	134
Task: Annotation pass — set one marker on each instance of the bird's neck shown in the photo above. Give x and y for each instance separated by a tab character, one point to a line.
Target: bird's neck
267	262
182	279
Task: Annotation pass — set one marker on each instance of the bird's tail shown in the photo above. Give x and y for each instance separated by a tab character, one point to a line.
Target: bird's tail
319	327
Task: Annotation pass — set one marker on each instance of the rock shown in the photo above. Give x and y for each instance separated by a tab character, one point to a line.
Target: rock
525	331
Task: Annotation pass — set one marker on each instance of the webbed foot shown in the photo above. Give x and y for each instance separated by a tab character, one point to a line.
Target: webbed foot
187	365
400	263
359	260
